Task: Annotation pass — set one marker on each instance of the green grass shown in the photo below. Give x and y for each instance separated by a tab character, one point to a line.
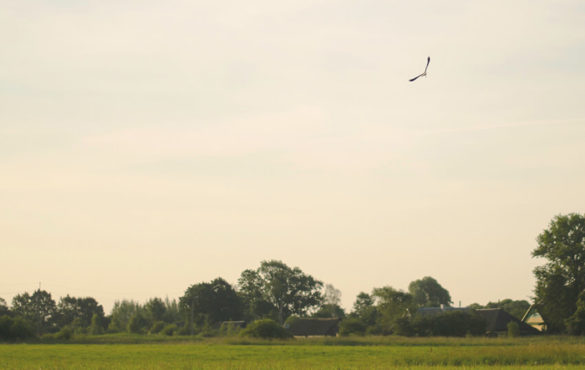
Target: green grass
346	353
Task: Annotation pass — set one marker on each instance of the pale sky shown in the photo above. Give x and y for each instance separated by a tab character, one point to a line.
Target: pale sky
149	145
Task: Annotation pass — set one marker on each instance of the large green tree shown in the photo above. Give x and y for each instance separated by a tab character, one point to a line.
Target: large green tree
39	308
427	292
392	306
212	303
78	311
560	281
277	290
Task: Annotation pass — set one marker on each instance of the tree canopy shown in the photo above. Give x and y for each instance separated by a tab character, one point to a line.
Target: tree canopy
276	289
560	281
212	302
427	292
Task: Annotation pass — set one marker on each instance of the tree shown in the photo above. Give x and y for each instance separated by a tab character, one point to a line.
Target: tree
78	311
364	309
331	301
392	305
39	308
155	310
427	292
576	322
513	307
3	307
274	288
212	303
560	281
122	313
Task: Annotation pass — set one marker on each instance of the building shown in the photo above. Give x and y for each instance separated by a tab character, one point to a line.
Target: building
497	321
533	318
305	327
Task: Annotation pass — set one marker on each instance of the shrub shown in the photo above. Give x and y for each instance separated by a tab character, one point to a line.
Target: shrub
20	329
96	325
169	330
157	327
137	323
65	333
265	328
352	326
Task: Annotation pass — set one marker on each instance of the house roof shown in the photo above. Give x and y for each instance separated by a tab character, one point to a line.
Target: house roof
497	321
309	327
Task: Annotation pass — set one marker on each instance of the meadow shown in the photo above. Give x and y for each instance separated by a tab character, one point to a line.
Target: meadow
133	352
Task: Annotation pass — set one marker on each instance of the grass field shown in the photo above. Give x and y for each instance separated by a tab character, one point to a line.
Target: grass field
334	353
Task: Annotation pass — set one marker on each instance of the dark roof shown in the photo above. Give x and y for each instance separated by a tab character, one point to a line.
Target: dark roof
309	327
497	320
434	311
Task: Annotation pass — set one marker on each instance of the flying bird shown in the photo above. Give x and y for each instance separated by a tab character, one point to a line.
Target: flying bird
424	73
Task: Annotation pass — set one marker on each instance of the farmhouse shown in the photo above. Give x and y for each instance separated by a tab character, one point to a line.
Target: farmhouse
304	327
533	318
497	321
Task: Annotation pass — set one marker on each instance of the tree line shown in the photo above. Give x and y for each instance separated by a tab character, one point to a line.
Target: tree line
278	292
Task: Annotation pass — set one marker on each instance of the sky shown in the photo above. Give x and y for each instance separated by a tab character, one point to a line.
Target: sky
146	146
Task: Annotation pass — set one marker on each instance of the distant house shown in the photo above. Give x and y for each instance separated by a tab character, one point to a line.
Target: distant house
497	321
304	327
533	318
434	311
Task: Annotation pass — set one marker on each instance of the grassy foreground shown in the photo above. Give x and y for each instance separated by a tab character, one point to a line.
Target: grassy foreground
234	354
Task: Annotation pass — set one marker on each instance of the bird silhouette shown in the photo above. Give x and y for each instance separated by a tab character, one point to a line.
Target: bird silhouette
424	73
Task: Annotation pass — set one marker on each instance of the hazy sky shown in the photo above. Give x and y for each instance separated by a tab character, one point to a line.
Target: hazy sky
149	145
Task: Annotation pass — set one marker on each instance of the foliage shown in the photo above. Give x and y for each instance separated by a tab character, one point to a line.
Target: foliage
157	327
96	326
392	305
212	303
15	328
155	310
122	312
3	307
66	333
278	291
78	311
364	309
352	326
330	310
576	323
138	323
560	281
266	329
170	329
515	308
427	292
38	308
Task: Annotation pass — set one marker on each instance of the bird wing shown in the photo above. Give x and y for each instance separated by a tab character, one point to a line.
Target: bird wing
428	61
412	79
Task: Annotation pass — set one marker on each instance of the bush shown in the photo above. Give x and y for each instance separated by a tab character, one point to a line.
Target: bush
352	326
137	324
157	327
169	330
267	329
15	328
96	325
65	333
